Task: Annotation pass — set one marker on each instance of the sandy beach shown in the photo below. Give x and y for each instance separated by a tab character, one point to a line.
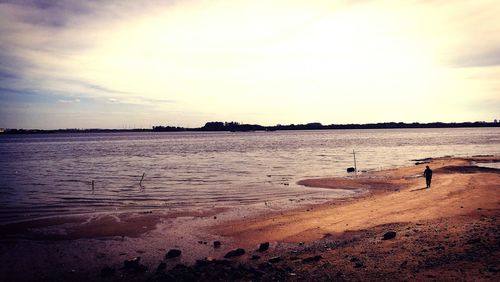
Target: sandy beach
196	140
396	230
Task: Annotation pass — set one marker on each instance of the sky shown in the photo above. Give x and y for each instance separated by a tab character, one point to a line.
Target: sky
136	64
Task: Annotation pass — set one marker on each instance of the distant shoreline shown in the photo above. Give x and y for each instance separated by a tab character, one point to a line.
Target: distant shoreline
237	127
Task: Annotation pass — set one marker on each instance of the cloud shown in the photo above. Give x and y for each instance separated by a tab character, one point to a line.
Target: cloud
137	100
282	60
92	88
489	58
47	45
11	67
68	101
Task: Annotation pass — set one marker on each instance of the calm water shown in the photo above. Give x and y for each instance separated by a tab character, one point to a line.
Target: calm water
44	175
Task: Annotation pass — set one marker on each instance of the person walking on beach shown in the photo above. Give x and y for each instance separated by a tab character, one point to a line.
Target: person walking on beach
428	176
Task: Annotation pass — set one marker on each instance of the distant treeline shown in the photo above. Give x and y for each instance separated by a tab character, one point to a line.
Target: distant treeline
238	127
234	126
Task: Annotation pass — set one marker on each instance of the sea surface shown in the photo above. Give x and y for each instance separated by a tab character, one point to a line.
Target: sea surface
51	174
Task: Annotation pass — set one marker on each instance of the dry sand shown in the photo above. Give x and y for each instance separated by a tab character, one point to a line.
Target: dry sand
397	195
447	232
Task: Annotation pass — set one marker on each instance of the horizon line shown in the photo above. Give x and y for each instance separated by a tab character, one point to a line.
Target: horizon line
316	124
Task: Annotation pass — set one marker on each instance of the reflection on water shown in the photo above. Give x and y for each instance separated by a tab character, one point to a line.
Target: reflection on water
52	174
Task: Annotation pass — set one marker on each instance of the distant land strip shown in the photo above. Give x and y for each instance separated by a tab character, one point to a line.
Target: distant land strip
239	127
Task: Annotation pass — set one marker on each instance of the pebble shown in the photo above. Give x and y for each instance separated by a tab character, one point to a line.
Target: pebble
263	247
389	235
235	253
312	259
275	259
131	263
173	253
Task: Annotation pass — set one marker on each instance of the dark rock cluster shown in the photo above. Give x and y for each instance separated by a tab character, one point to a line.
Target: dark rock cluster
430	250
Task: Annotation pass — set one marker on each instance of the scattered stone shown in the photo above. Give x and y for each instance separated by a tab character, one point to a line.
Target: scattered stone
134	265
358	264
235	253
473	241
131	263
275	259
389	235
173	253
203	262
353	259
263	247
312	259
162	266
255	257
107	271
217	244
215	217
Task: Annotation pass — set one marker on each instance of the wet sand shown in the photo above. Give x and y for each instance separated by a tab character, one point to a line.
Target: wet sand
447	232
396	195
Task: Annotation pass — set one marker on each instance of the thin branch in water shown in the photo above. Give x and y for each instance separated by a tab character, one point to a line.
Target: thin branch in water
142	178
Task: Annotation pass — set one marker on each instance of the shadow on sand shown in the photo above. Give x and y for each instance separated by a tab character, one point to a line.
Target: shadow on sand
425	188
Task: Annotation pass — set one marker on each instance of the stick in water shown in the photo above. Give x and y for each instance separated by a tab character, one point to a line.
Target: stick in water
355	168
92	185
140	183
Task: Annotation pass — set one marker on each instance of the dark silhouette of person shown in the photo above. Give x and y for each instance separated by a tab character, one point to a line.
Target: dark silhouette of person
428	176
